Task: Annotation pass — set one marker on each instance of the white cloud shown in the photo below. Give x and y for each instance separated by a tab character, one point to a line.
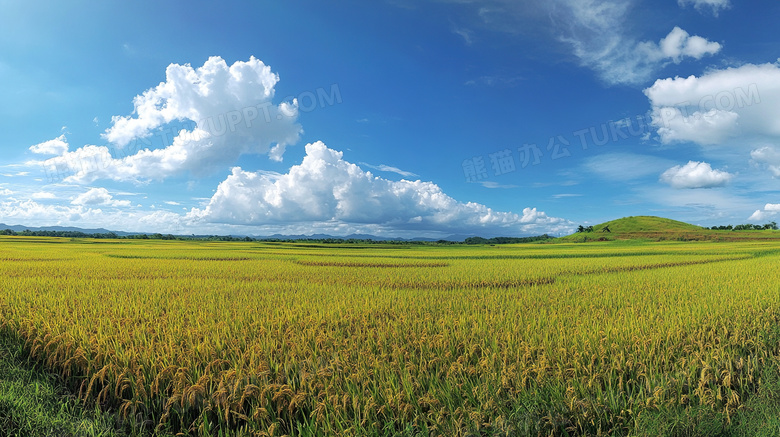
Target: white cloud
387	168
695	175
715	5
6	192
17	174
770	211
494	185
757	216
323	194
679	44
710	127
718	106
88	162
57	146
233	113
98	196
43	195
325	188
466	34
210	95
598	32
767	156
32	213
594	30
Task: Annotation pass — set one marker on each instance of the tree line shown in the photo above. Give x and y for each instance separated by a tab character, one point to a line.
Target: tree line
506	240
747	227
581	228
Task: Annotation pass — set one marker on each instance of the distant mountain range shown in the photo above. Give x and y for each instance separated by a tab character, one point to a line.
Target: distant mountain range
21	228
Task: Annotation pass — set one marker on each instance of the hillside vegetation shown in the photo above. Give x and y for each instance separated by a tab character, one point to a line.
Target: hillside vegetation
661	229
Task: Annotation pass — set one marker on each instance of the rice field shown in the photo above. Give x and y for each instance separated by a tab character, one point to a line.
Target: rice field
271	339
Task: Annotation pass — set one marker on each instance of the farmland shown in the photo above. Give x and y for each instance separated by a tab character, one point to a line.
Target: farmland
310	339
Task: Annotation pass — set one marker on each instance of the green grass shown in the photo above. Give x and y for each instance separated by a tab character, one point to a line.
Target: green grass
759	416
646	224
34	402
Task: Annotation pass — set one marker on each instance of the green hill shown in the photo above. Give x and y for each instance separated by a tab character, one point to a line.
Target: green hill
646	223
659	228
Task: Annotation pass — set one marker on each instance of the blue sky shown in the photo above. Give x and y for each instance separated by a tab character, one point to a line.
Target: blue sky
396	118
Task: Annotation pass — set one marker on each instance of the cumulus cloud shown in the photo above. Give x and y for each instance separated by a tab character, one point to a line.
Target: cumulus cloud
717	106
219	98
98	196
57	146
326	188
770	211
233	111
679	44
695	175
714	5
710	127
594	30
757	215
